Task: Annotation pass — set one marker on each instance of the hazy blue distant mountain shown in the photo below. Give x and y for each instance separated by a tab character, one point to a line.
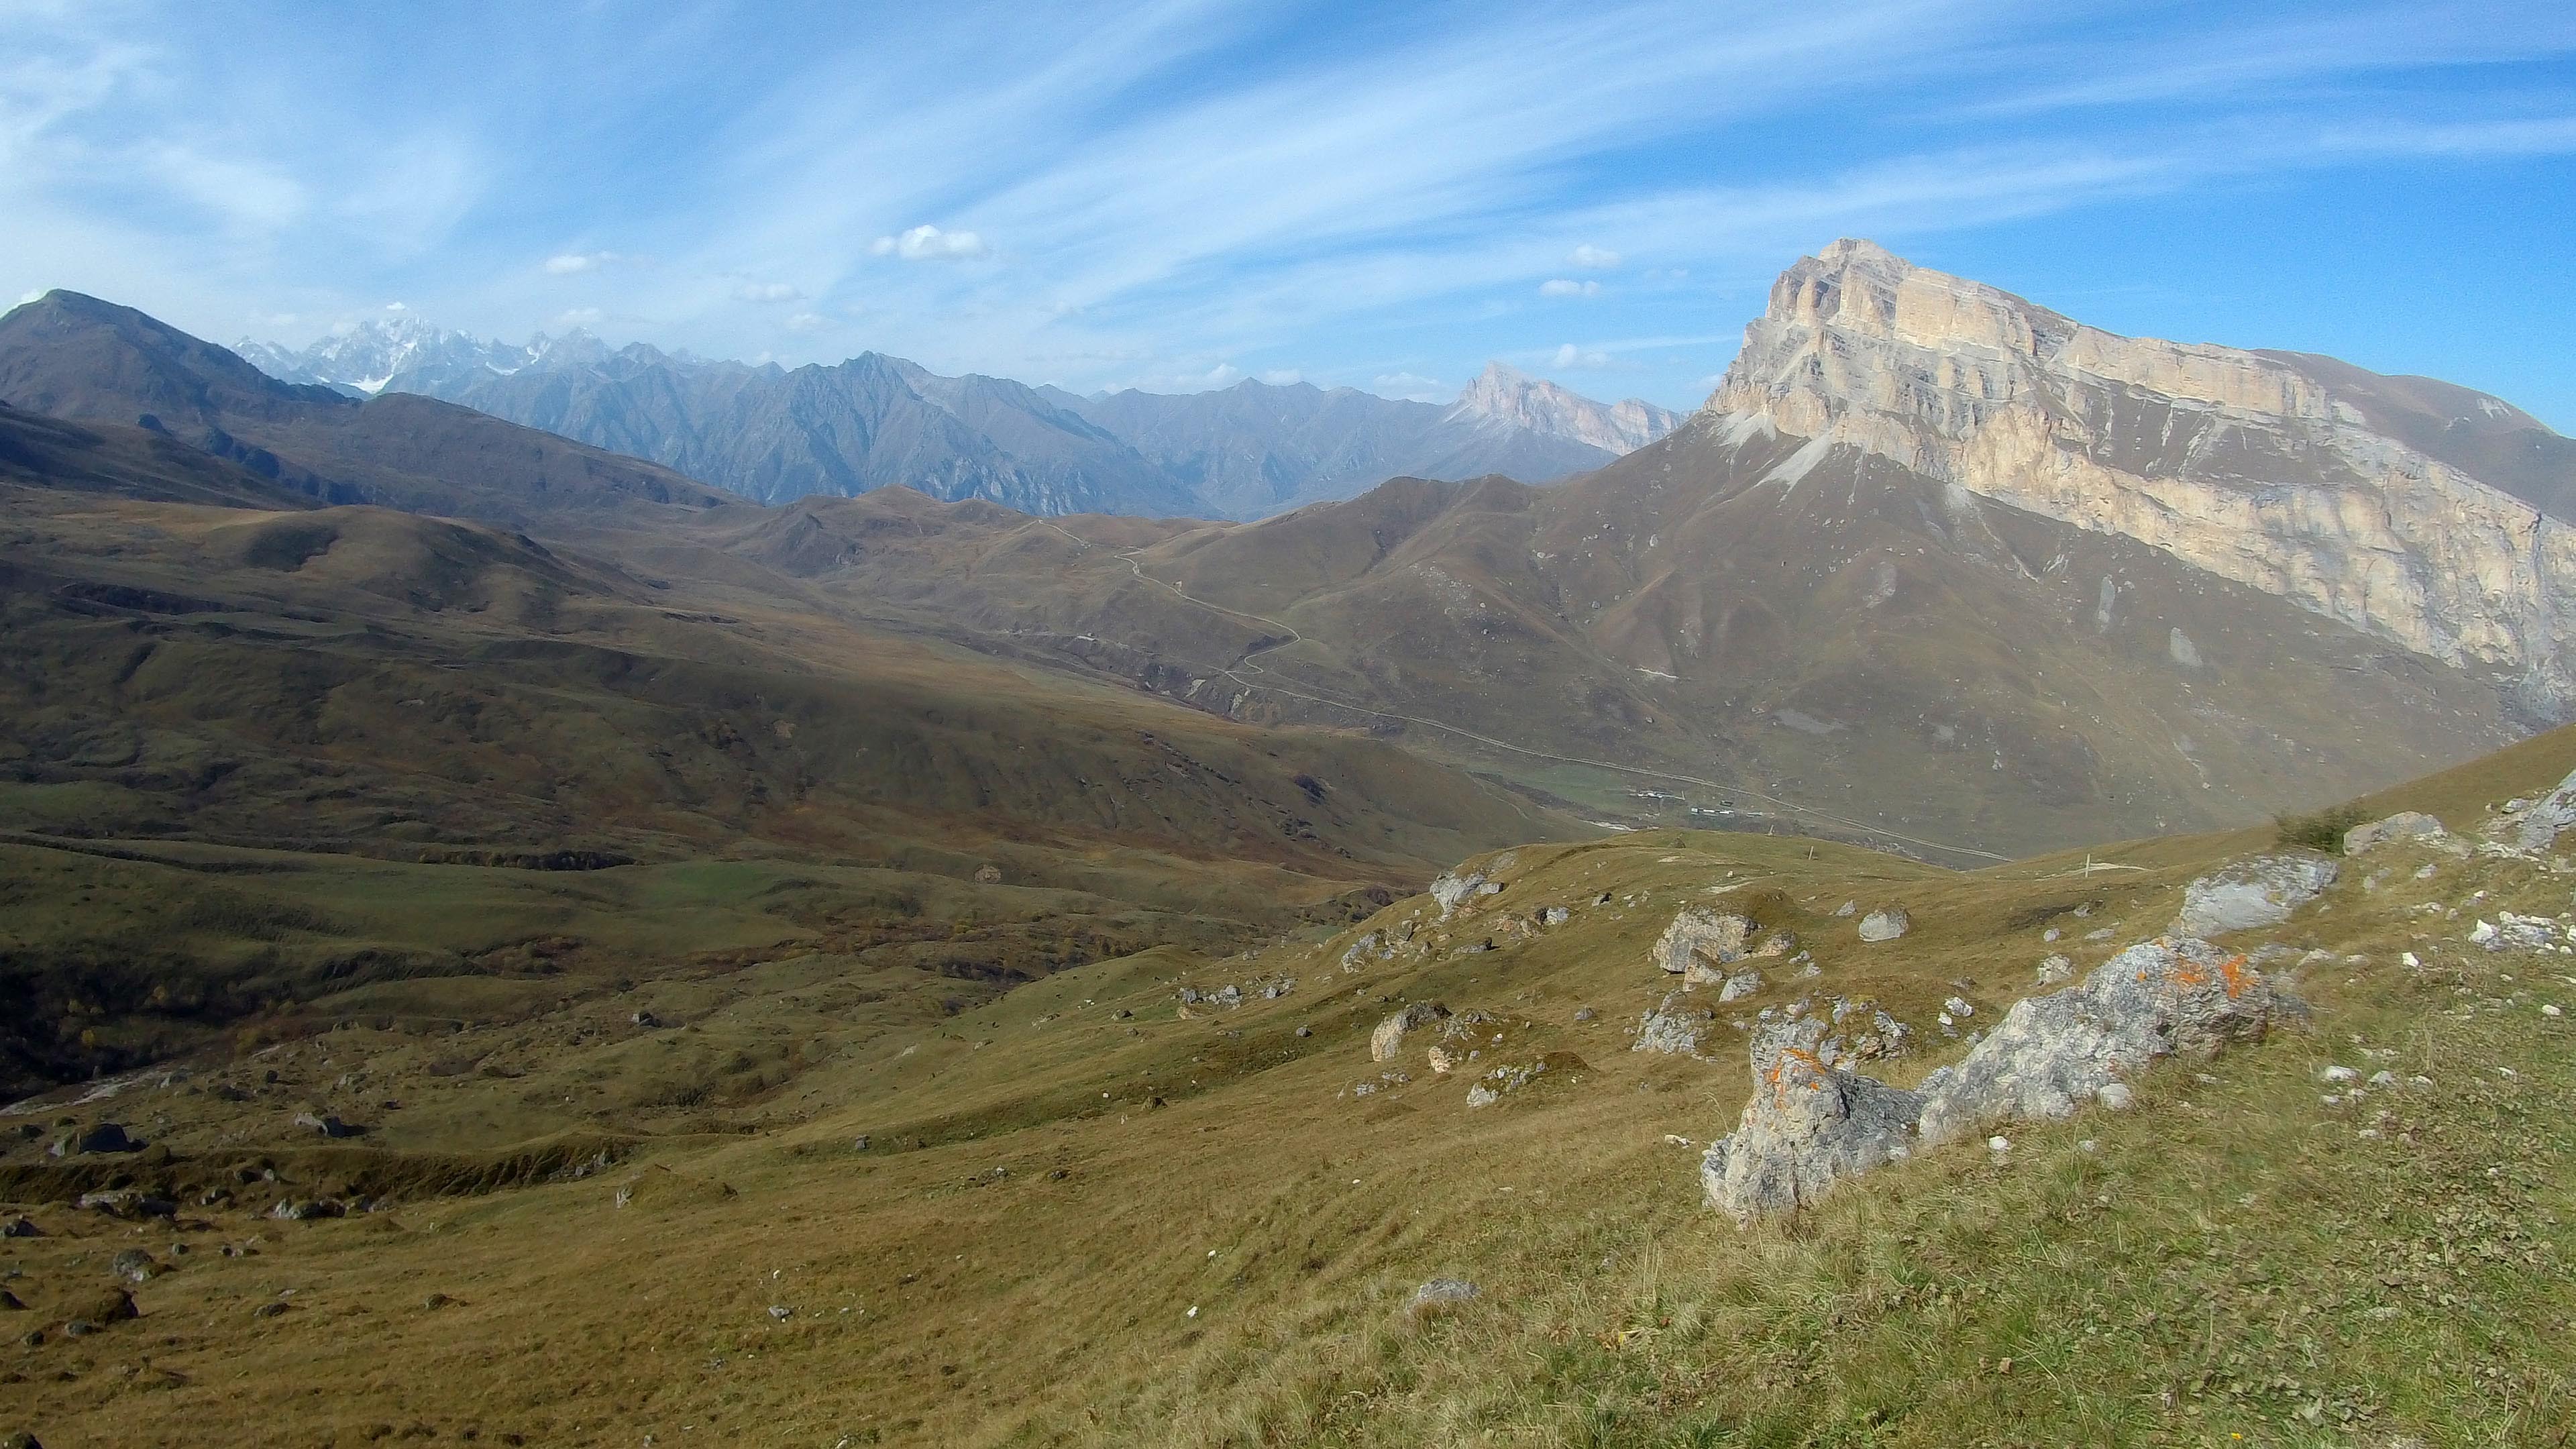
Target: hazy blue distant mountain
775	434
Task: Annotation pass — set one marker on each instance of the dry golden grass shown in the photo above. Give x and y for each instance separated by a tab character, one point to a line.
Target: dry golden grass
2233	1258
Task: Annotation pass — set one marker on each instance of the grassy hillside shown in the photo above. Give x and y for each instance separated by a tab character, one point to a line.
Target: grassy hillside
1087	1212
1862	655
546	740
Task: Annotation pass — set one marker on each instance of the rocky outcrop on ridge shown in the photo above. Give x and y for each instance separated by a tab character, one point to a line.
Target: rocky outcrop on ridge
2263	468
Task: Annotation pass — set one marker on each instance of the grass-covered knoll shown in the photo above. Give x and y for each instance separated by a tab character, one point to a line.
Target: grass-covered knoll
1055	1176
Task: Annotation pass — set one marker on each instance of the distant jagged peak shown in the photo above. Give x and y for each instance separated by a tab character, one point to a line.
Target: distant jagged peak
366	355
1504	394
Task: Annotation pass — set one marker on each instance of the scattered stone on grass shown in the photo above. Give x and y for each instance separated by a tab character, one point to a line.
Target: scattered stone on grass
1388	1039
1440	1293
1885	925
2404	825
2259	890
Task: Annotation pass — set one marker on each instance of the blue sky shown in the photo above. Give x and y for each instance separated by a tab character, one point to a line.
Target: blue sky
1173	194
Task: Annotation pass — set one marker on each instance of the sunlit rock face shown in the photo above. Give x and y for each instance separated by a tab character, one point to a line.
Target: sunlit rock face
2262	468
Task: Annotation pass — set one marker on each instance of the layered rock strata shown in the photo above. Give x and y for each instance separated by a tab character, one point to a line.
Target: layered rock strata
2247	465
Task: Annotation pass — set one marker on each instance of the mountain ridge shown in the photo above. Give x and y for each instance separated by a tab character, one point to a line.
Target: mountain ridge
773	433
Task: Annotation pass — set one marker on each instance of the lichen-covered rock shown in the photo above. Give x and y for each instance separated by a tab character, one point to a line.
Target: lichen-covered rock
1885	925
2053	1053
1812	1122
1702	937
1807	1125
2404	825
2259	890
1739	985
1388	1039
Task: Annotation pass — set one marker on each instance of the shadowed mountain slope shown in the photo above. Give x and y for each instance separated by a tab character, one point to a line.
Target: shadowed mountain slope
1868	653
353	683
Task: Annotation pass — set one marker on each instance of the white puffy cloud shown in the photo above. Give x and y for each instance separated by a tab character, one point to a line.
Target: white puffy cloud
766	292
1283	377
32	294
578	317
565	264
1570	356
1599	259
930	244
804	322
1562	287
1412	387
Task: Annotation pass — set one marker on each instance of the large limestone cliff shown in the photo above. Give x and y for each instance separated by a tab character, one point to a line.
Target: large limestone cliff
2240	463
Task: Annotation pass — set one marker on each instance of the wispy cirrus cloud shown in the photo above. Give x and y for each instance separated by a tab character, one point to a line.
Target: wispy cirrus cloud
1188	186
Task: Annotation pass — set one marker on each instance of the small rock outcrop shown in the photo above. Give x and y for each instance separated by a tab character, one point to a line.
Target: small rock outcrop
2260	890
1807	1125
2547	816
1673	1027
1885	925
2404	825
1451	889
1388	1039
1811	1122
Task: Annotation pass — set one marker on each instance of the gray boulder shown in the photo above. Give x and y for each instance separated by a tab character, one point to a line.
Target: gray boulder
1451	888
2547	816
1885	925
1674	1027
1388	1039
1440	1293
2260	890
1700	936
1808	1125
2052	1054
2404	825
107	1137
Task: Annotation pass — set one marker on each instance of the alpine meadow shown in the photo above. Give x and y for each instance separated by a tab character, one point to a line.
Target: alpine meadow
1232	726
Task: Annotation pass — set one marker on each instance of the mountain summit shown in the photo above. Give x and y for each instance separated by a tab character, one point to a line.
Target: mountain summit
2423	513
1513	398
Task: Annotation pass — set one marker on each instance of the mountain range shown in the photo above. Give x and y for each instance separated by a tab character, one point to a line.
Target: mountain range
774	434
1935	568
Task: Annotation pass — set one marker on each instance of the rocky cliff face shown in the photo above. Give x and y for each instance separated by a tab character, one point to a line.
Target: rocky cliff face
1504	395
2252	466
